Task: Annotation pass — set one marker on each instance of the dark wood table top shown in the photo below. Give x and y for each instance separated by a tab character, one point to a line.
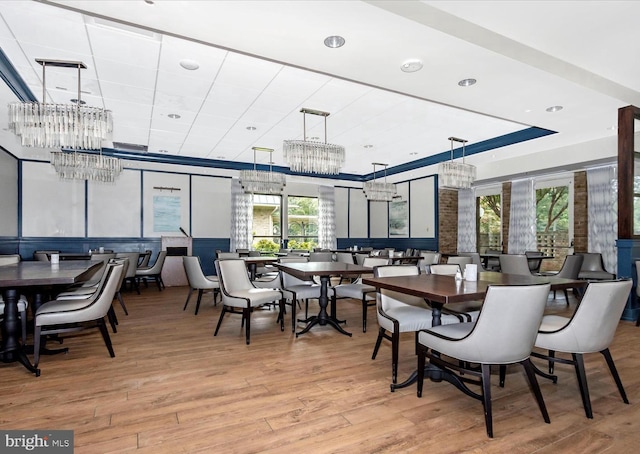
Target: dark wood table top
529	257
261	259
25	274
445	289
307	269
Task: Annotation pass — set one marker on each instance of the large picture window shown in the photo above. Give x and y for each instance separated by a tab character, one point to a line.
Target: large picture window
267	222
554	220
489	220
302	222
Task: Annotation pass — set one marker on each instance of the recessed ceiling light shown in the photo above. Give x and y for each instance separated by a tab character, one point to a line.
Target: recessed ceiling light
149	2
411	66
527	110
191	65
173	116
368	146
554	108
334	41
251	128
467	82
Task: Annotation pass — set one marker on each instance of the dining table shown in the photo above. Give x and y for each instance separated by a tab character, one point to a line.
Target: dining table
441	290
325	270
38	277
530	258
253	262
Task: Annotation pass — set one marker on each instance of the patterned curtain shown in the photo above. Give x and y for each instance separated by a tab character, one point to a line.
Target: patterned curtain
602	210
241	217
326	218
522	220
466	220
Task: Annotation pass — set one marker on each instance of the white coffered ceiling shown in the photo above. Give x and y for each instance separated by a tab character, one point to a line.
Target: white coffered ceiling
261	61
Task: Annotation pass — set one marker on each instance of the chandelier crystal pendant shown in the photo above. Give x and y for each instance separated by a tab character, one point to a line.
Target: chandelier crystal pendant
378	191
456	175
313	157
261	181
72	126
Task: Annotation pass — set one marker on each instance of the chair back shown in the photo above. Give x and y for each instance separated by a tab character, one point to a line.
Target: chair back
9	259
508	324
571	267
320	257
227	255
592	261
133	262
345	257
146	256
159	263
372	262
254	254
243	252
428	258
445	269
534	265
126	267
193	270
594	322
288	280
233	276
514	264
475	259
463	261
389	299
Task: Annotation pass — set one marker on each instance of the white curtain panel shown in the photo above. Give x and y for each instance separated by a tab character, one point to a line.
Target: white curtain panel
466	220
522	219
326	218
603	214
241	217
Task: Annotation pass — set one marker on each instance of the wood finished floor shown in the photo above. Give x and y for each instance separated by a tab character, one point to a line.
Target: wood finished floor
174	388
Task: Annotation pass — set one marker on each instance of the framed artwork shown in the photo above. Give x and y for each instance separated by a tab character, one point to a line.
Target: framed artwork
399	219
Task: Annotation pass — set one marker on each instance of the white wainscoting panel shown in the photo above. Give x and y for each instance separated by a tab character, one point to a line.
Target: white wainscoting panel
358	214
114	209
157	205
8	195
422	208
342	212
379	219
211	207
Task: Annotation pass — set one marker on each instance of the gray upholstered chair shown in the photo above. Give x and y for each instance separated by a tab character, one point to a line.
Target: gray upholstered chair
570	270
400	313
23	304
481	343
153	272
593	268
360	291
320	257
428	258
493	264
461	260
534	265
589	330
294	290
475	259
198	281
445	269
63	316
227	255
130	272
240	296
43	256
346	257
144	258
514	264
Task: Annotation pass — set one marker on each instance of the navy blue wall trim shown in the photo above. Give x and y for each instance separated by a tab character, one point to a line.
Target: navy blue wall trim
13	80
206	248
9	245
28	245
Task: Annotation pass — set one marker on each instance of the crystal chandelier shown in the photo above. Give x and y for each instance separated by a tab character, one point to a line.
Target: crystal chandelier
313	157
261	181
456	175
73	126
377	191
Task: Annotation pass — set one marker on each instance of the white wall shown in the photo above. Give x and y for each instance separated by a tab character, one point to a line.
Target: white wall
8	195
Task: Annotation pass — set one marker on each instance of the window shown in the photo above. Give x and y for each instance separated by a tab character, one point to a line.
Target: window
302	222
554	220
267	232
489	220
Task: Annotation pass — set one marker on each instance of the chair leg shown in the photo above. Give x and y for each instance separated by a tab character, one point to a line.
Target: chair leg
395	348
552	355
486	397
364	313
293	316
224	310
582	383
246	313
378	342
503	374
36	345
23	327
158	282
136	285
112	319
614	373
199	299
105	336
121	301
535	388
188	298
422	350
